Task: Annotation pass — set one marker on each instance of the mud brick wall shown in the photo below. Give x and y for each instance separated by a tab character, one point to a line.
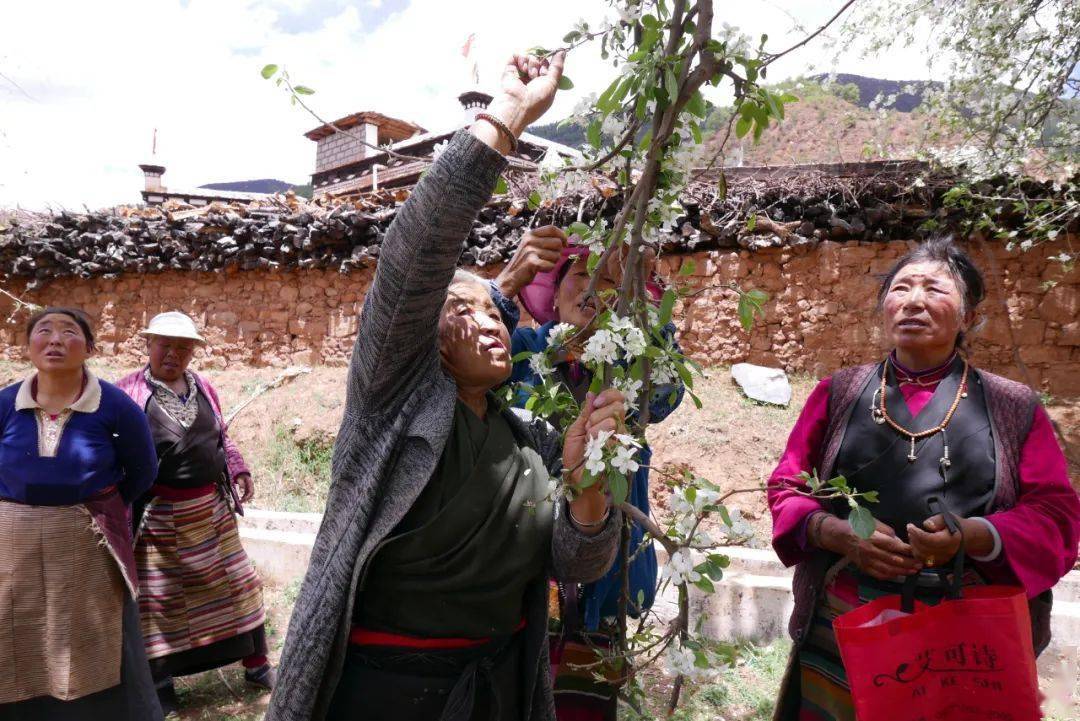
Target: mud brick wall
821	314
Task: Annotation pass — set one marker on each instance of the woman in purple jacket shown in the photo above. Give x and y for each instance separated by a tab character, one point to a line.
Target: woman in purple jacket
201	604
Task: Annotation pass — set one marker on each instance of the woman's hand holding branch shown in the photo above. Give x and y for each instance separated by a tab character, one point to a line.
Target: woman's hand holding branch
603	413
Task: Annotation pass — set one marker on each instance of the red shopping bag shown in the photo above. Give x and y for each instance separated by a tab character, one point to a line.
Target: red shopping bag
968	659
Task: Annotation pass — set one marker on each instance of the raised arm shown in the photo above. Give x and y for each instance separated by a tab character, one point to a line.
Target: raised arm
396	341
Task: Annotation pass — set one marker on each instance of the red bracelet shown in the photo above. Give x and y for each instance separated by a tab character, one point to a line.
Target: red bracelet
502	127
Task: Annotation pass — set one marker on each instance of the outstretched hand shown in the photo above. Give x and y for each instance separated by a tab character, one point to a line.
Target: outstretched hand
599	413
538	252
528	85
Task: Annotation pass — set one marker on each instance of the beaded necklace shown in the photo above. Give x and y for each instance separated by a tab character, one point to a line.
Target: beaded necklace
881	416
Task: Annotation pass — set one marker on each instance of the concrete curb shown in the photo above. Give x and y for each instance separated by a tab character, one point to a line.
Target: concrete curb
752	603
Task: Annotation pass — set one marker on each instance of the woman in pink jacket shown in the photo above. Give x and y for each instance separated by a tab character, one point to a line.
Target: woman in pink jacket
930	433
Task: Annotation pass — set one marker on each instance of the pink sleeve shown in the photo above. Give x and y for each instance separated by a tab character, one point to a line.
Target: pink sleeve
790	510
233	458
1039	534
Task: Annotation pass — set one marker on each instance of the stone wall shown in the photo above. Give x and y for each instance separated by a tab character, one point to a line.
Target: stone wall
821	314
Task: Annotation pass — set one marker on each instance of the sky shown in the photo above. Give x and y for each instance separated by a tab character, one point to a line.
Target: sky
84	85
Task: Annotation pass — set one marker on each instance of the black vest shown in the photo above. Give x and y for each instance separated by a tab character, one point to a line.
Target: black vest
187	457
874	457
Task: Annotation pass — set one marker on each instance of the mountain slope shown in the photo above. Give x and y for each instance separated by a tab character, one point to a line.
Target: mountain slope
263	185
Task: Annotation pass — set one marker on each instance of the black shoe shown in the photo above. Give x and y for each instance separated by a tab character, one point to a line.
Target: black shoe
261	677
170	702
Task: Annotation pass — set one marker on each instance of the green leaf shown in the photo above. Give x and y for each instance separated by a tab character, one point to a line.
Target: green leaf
688	266
592	262
758	297
571	36
696	105
579	228
641	598
617	486
721	187
705	584
565	83
751	223
862	522
671	84
697	401
839	482
720	559
303	90
742	126
746	313
592	134
695	133
269	70
725	516
534	200
667	305
597	383
523	355
501	187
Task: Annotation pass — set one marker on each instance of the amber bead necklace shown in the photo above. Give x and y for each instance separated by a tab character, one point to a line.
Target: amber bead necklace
881	415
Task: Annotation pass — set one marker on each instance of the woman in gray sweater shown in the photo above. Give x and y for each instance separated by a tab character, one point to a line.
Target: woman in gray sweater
426	595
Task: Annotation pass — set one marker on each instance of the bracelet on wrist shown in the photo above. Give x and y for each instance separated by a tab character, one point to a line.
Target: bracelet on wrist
594	524
813	534
503	128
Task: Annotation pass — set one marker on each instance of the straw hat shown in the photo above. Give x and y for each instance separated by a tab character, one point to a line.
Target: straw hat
173	324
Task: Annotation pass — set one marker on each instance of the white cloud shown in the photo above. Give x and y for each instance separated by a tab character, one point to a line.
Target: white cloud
95	79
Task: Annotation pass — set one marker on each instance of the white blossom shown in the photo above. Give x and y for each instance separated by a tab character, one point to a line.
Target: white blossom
602	347
541	364
594	453
623	460
438	149
680	661
680	568
559	333
634	343
663	371
630	389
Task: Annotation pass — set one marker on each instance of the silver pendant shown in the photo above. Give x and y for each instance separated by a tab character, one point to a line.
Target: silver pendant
878	416
911	456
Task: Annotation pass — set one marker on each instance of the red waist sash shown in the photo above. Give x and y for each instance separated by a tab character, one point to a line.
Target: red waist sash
365	637
182	494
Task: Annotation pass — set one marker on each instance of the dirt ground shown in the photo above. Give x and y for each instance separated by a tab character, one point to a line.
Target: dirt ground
287	434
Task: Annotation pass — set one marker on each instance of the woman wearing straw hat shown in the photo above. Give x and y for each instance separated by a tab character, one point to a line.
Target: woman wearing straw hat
549	275
74	453
201	603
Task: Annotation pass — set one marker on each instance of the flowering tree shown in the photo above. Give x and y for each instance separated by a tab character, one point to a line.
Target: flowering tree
644	130
1011	94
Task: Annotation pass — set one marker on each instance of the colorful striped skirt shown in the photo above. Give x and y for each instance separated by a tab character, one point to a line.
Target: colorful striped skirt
585	689
198	587
826	695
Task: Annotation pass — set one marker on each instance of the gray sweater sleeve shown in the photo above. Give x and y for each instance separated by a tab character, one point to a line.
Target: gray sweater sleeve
399	322
577	558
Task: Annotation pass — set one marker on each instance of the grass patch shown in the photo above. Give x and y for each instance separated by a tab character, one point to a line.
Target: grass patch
743	692
296	470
